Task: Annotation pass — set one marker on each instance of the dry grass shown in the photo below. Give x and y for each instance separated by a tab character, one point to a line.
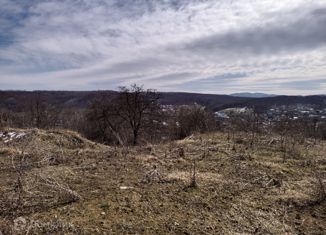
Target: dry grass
240	190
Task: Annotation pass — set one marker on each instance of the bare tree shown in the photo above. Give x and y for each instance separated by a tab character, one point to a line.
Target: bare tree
3	118
104	119
136	106
130	109
190	119
41	114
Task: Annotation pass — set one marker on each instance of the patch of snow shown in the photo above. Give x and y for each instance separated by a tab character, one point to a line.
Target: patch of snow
221	115
12	134
20	135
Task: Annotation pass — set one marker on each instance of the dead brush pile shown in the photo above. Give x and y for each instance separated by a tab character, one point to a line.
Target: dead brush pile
27	182
52	138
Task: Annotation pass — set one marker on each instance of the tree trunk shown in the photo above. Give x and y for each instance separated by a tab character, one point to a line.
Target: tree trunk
135	137
115	133
117	136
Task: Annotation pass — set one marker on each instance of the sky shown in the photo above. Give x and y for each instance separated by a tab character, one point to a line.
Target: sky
203	46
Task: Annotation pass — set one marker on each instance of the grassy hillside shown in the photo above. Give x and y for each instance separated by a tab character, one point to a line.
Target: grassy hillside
73	186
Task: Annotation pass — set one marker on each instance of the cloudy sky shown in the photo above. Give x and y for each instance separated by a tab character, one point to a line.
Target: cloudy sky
208	46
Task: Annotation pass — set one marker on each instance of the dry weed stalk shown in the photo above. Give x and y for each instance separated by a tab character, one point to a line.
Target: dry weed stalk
193	181
19	166
320	186
153	176
181	152
28	155
65	193
124	151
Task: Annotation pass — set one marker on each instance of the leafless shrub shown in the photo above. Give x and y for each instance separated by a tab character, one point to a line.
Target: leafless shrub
320	188
153	176
241	154
19	167
193	168
292	134
190	119
249	122
39	113
181	152
242	157
193	179
124	151
5	118
64	193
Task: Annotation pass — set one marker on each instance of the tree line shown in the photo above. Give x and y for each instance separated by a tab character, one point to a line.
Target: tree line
134	115
130	116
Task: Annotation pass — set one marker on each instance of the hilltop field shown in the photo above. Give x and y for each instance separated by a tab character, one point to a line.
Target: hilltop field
57	182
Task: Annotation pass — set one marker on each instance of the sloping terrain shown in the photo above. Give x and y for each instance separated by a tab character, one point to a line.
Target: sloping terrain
56	182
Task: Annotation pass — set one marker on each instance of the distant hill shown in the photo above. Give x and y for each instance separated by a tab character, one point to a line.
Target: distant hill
252	95
268	102
17	100
209	100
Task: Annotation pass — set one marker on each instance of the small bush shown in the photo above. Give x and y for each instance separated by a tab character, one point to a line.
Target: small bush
191	119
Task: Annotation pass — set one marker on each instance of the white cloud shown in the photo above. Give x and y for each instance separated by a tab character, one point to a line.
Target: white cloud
93	44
